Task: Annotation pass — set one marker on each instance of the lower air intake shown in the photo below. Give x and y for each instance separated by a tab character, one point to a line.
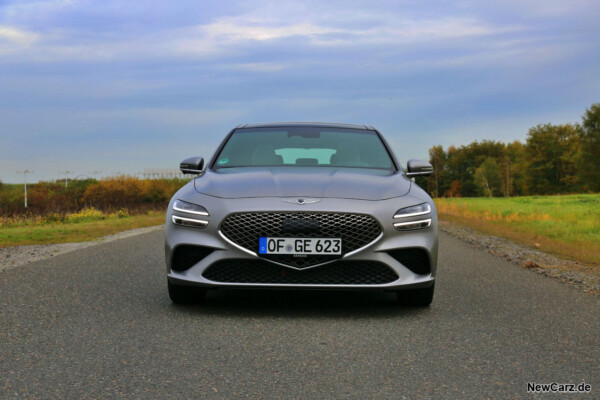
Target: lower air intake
337	273
186	256
415	259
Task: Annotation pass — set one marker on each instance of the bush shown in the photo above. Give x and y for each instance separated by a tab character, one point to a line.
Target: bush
87	214
55	217
122	213
118	196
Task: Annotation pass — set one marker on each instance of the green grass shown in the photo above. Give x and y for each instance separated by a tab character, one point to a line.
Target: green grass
74	231
567	225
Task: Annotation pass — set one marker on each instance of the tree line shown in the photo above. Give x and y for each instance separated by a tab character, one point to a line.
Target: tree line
108	195
555	159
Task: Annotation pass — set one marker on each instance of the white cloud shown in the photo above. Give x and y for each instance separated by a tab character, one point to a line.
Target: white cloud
227	35
14	36
320	32
243	28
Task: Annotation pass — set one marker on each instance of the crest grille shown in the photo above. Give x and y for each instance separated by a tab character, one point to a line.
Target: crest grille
355	230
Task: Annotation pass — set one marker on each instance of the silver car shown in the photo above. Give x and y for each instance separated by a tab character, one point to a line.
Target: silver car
302	205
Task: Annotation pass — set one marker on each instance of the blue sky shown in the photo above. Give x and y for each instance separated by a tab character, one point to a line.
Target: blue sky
120	86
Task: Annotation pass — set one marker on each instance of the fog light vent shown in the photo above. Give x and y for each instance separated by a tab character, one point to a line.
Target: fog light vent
415	259
185	256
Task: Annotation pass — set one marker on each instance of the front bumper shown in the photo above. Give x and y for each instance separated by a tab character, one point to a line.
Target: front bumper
218	250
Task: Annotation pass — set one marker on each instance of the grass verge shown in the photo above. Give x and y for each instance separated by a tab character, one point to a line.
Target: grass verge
567	226
80	231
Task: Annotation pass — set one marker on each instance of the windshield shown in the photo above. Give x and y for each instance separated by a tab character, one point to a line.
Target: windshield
304	146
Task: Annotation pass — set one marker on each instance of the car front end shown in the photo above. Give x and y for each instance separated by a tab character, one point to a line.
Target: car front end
306	231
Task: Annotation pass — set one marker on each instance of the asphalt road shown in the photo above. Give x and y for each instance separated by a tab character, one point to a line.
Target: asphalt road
97	323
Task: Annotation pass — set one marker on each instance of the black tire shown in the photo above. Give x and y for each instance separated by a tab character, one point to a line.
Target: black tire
180	294
416	297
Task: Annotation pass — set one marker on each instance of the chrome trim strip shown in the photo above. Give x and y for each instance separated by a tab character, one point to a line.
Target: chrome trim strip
399	225
413	214
299	269
237	246
394	285
191	212
413	174
364	247
174	218
403	282
330	261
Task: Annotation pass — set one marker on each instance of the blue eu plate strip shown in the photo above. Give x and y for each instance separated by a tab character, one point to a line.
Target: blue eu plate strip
262	245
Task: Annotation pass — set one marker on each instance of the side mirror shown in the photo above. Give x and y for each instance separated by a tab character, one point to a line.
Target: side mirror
418	168
192	165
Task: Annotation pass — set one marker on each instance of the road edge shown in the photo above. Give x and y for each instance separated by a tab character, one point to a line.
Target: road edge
581	276
17	256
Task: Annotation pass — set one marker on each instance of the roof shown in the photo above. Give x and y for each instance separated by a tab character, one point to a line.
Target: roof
308	124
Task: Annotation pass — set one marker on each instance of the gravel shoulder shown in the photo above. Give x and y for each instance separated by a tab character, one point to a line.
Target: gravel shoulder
12	257
582	276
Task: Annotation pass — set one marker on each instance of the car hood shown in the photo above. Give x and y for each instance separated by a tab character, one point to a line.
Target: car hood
319	182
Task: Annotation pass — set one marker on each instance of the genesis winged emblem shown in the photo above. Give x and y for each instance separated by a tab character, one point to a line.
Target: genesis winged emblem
301	201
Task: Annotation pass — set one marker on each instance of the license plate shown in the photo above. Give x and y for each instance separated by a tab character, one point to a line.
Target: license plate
306	246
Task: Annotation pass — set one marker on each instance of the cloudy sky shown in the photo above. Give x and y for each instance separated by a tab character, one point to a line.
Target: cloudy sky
120	86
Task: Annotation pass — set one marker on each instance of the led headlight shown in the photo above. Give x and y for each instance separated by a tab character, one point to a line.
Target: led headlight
185	207
413	211
409	226
196	214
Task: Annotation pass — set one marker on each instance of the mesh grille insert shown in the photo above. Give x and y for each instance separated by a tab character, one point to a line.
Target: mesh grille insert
415	259
355	230
336	273
185	256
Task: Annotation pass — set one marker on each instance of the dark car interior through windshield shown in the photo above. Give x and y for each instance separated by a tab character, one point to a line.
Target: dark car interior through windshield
304	146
